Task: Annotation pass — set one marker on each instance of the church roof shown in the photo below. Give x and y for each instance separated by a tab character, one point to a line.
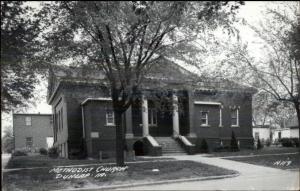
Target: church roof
164	73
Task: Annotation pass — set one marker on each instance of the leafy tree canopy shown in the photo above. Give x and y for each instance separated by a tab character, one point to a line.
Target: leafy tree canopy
19	32
125	38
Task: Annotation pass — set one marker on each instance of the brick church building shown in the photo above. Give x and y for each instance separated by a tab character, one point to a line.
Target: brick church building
190	109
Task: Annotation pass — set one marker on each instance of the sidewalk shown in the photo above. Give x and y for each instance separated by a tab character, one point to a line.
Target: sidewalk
252	177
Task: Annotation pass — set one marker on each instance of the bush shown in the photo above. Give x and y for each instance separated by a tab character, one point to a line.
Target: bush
259	145
268	142
43	151
19	153
289	142
233	143
296	141
204	146
53	152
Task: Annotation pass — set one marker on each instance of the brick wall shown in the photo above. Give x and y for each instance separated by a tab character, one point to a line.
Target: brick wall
213	133
39	130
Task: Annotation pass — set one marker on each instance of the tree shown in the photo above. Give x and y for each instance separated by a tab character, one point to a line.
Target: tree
278	72
19	32
233	143
269	111
124	39
259	145
204	146
8	140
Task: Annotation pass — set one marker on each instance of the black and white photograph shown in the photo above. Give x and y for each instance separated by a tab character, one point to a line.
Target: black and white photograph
150	95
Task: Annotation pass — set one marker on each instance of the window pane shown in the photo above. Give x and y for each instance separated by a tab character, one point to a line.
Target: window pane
28	120
233	121
110	117
28	141
204	118
234	117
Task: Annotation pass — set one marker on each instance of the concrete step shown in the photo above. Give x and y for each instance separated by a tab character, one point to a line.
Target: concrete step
170	146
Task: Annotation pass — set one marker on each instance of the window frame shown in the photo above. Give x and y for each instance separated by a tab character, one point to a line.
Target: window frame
206	119
31	142
26	121
152	114
112	117
236	114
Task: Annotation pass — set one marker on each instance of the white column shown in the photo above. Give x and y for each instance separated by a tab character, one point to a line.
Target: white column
175	116
145	116
237	117
220	124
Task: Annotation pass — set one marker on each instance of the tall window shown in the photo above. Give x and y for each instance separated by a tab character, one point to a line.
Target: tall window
110	117
29	142
28	121
152	117
235	117
204	118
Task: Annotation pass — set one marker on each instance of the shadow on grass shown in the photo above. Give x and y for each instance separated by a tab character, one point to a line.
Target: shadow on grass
41	179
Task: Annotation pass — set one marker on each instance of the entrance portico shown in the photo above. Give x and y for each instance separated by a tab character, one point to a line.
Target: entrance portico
161	121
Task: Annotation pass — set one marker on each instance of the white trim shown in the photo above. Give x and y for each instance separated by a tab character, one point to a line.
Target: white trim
206	119
207	103
83	126
113	118
237	118
53	92
220	124
96	99
152	141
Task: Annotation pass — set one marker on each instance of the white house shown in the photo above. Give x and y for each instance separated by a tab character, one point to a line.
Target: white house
263	132
290	131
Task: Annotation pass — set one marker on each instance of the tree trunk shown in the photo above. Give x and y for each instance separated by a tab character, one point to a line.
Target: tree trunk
120	139
297	106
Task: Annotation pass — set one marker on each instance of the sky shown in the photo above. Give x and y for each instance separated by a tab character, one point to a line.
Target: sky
251	12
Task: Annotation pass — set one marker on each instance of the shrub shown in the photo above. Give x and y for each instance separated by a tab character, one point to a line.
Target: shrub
296	141
204	146
43	151
53	152
77	154
233	143
287	142
19	153
259	145
268	142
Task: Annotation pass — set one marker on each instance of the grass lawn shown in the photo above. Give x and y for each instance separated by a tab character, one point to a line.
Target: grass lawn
265	150
289	161
45	161
42	179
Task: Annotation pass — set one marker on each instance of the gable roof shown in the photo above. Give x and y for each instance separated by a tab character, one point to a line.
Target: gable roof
163	73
